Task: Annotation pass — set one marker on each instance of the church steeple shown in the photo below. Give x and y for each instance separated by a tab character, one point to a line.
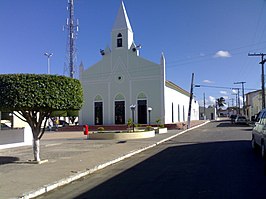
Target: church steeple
122	34
122	21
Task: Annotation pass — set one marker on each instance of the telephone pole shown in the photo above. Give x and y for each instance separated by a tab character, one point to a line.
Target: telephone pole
243	96
262	75
190	101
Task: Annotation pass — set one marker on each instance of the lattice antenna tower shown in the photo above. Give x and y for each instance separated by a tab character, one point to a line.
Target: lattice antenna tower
72	28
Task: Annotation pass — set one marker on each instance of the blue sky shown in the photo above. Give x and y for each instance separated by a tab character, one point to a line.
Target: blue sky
210	38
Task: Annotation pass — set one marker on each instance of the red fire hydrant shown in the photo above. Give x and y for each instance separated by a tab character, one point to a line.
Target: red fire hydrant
86	129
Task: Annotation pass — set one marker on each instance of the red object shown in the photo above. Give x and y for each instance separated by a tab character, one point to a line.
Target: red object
86	129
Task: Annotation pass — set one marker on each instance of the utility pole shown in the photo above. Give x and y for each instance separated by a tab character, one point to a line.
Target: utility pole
204	106
190	101
72	28
238	102
262	75
243	96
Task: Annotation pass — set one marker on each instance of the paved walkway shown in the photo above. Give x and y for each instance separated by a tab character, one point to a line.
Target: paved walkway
70	156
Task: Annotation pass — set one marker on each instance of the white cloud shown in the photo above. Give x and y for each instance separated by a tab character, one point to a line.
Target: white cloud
234	91
212	100
226	97
207	81
222	54
223	92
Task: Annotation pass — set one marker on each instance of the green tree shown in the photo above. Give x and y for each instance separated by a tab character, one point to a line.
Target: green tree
35	97
220	102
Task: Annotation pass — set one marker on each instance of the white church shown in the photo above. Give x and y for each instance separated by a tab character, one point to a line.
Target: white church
123	78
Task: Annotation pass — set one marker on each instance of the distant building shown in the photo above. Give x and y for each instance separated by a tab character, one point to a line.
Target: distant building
122	78
207	113
253	103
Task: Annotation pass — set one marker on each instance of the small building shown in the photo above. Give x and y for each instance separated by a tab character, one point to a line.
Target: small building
207	113
122	80
253	103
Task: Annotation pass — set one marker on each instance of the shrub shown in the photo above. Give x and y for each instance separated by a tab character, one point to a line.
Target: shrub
148	128
158	121
129	122
101	128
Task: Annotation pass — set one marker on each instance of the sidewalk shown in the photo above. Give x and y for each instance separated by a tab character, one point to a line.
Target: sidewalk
70	156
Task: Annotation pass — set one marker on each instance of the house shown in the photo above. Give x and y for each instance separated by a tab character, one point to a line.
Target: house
123	85
253	103
207	113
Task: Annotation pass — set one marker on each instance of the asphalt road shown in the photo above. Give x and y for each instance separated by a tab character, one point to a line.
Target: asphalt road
213	161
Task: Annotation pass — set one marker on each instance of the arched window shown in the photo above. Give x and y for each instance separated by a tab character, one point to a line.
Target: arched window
119	40
142	96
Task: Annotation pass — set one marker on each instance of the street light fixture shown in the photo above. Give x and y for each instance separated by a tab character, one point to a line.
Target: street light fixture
149	111
48	61
133	107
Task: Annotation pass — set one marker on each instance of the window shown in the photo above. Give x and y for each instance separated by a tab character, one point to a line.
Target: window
178	113
119	40
172	112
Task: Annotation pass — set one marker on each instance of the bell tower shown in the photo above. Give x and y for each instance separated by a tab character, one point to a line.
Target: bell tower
122	34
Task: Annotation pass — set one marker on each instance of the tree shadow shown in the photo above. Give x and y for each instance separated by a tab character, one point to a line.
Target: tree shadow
8	159
204	170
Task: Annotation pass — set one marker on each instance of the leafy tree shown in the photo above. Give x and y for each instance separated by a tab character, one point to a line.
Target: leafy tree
72	114
35	97
220	102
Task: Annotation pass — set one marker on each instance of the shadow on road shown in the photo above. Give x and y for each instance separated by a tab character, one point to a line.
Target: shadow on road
227	124
205	170
8	159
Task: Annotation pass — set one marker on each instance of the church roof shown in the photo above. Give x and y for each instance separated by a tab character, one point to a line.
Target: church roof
122	21
177	88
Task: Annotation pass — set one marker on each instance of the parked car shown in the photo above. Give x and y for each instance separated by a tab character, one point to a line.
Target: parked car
241	120
258	140
63	123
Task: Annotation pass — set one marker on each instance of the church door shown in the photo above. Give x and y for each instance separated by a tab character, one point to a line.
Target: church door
98	113
142	111
119	112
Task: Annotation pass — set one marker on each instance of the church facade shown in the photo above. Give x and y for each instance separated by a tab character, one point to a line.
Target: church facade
123	80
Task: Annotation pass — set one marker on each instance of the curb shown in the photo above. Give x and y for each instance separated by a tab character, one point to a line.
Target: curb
64	181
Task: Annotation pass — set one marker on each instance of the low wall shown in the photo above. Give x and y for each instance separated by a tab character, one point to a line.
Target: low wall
15	138
121	136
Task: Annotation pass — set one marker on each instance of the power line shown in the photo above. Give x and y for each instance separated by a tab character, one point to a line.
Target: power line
223	87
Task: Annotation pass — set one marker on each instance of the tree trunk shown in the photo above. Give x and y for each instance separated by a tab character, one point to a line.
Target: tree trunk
36	149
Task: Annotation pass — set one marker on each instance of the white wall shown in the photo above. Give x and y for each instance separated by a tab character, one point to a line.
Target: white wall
180	104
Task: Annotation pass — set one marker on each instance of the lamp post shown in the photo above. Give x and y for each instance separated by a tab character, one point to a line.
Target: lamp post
48	61
149	111
133	107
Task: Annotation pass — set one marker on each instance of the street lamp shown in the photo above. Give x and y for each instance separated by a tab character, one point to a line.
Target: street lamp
48	61
149	111
133	107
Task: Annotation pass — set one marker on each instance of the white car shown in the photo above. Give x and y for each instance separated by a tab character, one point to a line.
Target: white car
258	139
241	120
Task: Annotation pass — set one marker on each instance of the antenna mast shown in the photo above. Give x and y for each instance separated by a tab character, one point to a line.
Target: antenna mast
72	28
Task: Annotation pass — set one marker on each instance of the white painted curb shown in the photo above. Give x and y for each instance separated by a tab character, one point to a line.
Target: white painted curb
54	185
